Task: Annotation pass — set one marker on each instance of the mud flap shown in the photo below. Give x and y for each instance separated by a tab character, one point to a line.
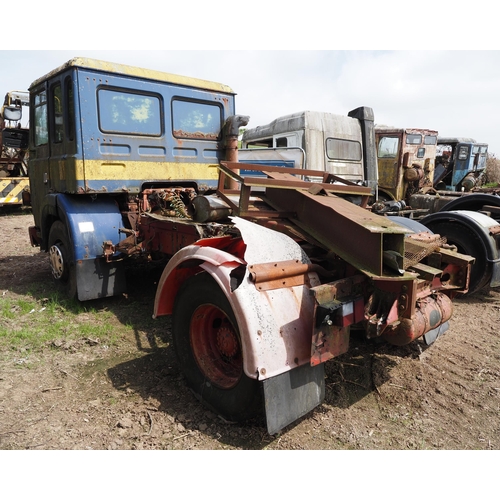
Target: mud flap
495	274
292	394
432	335
96	279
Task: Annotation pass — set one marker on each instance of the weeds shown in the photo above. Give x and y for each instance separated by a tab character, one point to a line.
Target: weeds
29	324
491	176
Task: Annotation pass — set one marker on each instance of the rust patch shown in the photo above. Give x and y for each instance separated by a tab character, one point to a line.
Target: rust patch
284	274
195	135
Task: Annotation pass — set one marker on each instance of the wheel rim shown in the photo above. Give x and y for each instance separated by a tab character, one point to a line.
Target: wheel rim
56	262
216	346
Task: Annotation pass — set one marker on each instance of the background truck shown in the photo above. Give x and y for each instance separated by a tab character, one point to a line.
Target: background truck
341	145
406	161
267	271
14	182
460	163
401	183
411	177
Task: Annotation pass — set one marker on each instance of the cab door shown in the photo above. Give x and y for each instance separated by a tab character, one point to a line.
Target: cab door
38	171
64	167
389	164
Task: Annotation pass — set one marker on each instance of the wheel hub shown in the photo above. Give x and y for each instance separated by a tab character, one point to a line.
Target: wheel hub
215	345
227	343
56	262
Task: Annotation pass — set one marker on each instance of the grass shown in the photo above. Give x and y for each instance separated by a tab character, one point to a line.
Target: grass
30	324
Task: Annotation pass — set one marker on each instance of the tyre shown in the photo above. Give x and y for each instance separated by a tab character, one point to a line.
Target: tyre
208	349
468	243
62	262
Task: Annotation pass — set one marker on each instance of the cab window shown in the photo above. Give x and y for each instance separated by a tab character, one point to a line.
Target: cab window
196	120
260	144
70	106
388	147
129	113
413	139
41	124
479	149
341	149
463	152
57	113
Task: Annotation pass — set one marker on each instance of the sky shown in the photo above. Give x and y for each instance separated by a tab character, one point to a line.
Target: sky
413	70
455	92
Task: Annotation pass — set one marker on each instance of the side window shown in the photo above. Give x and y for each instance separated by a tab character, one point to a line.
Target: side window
413	139
388	147
463	152
70	107
196	120
124	112
281	142
479	149
421	152
341	149
57	113
41	124
260	144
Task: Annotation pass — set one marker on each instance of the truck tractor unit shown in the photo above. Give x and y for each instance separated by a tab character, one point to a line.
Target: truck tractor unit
14	182
269	266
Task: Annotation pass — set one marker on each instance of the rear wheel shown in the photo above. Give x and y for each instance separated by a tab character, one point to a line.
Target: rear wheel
208	348
62	263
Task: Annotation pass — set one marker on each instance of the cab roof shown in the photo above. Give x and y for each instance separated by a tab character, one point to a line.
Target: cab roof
122	69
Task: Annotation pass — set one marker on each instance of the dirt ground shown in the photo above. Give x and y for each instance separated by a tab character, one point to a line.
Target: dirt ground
84	395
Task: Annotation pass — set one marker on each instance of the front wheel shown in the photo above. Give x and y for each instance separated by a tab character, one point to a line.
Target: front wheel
208	348
62	263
